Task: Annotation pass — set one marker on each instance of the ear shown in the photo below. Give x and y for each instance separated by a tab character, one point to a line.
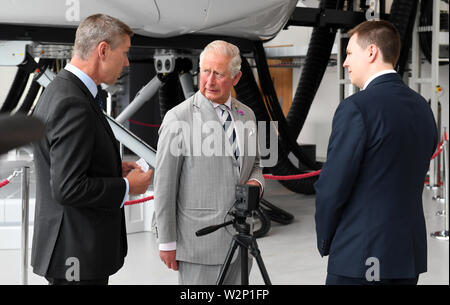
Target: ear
236	78
373	53
102	49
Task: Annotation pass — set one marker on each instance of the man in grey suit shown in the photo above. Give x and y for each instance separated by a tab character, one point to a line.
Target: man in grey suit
81	183
207	145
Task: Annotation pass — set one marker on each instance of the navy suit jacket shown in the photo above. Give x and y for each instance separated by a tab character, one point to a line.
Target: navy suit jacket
369	193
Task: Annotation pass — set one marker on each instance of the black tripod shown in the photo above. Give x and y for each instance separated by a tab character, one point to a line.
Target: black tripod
245	241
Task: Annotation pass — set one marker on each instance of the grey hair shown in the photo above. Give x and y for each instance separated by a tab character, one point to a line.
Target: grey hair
97	28
226	49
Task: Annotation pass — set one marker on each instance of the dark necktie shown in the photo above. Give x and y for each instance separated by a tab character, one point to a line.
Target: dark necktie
99	101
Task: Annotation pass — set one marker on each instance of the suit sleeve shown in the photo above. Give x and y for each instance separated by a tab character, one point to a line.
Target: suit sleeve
257	171
169	160
340	171
71	142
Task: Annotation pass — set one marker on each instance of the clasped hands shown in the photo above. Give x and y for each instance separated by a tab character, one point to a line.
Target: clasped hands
138	179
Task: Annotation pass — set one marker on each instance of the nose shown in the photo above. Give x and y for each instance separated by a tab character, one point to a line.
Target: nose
127	62
345	64
211	79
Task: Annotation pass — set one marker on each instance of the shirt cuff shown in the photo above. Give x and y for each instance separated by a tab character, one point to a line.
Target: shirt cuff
126	192
168	246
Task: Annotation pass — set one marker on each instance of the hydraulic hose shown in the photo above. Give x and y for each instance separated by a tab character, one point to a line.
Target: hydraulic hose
168	93
316	62
34	88
288	140
15	92
402	16
426	19
319	51
247	92
29	98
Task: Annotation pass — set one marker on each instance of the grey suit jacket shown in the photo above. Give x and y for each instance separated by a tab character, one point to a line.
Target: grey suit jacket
195	177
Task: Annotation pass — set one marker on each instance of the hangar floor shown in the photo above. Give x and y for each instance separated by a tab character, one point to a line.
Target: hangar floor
289	252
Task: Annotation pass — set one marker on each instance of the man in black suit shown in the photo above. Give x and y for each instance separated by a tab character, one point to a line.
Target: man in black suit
81	183
369	214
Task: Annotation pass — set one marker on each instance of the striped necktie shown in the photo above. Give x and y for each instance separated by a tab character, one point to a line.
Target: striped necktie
230	133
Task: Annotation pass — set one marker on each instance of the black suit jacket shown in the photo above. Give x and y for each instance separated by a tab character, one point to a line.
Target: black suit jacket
79	188
369	193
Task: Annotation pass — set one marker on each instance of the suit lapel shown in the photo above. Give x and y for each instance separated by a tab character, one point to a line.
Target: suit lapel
102	118
205	107
71	77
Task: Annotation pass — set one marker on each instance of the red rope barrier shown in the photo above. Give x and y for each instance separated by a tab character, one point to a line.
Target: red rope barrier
3	183
437	153
292	177
272	177
7	180
139	200
268	177
303	176
144	124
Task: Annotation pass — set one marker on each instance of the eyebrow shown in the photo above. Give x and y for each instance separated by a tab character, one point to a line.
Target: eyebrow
212	70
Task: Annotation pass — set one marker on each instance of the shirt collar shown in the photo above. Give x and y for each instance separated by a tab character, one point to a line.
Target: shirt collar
87	81
227	103
376	75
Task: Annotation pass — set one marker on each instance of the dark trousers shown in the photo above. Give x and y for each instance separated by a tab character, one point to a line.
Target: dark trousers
53	281
343	280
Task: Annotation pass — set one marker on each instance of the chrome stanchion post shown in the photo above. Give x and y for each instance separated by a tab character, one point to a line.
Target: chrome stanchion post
443	235
439	195
446	186
443	161
445	191
25	208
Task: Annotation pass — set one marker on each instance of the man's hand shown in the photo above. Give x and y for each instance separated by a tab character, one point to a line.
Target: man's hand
256	183
127	167
139	181
169	258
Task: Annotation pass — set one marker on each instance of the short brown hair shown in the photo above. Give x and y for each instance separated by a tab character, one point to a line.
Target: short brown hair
381	33
97	28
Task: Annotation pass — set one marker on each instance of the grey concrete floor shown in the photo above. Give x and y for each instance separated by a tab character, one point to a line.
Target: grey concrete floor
289	251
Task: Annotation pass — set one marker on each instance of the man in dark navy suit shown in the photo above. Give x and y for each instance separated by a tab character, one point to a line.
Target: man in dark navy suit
369	214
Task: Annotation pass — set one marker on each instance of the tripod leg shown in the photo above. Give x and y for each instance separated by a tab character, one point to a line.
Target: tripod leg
244	264
226	265
257	255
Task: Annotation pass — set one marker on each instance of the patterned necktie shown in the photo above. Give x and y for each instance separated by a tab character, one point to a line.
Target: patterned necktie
230	133
99	101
